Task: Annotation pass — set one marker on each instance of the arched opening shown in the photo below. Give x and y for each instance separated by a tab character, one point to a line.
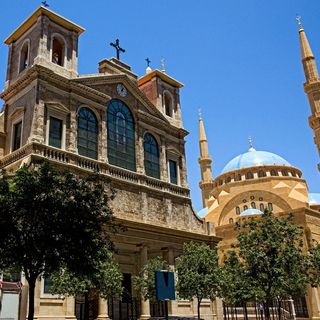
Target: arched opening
284	173
121	135
24	56
87	133
168	105
273	173
151	156
253	205
245	208
262	207
237	210
270	206
249	175
231	221
261	174
58	51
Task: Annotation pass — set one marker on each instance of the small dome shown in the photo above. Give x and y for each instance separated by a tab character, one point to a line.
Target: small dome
250	212
314	199
203	212
254	158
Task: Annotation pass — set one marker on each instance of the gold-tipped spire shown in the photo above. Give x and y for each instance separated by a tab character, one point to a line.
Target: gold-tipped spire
163	69
307	57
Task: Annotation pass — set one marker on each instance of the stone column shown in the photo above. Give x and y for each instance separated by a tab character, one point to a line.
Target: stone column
103	137
103	313
163	161
70	308
72	144
313	302
145	304
140	151
173	304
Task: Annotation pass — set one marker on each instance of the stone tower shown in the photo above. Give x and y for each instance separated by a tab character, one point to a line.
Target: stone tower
312	84
205	165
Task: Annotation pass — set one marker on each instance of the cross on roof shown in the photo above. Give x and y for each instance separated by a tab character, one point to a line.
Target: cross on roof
148	62
298	18
116	45
45	4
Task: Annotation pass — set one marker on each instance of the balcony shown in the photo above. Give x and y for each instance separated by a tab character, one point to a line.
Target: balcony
37	151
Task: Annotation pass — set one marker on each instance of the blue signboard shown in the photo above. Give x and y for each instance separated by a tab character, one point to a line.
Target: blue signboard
165	285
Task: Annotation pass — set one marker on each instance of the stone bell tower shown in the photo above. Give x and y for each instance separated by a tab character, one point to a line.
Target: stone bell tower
312	84
47	39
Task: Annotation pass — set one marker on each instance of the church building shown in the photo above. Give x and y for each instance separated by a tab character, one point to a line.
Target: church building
257	180
129	129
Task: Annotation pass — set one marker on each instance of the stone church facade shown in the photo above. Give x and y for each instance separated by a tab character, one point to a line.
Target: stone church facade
127	128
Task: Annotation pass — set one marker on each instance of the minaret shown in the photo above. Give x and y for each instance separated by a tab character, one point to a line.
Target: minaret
312	84
205	164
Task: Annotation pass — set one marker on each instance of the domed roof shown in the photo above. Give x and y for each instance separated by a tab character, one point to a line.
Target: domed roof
250	212
254	158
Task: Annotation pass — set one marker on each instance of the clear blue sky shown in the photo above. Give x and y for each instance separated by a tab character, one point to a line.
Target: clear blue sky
239	61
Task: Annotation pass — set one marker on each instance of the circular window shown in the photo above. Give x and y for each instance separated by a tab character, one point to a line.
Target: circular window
244	200
260	199
252	198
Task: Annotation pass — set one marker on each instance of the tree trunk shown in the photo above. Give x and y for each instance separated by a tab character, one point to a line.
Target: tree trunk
32	285
267	309
198	308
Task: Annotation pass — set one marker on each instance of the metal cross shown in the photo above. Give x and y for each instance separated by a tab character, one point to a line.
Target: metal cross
116	45
200	113
148	62
45	4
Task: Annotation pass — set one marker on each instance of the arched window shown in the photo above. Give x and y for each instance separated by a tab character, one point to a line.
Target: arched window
261	174
231	221
151	156
239	177
245	208
237	210
284	173
168	105
121	135
228	179
87	133
273	172
262	207
249	175
253	205
270	206
58	51
24	56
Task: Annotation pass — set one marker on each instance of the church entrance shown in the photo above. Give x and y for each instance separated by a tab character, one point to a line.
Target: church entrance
86	307
126	308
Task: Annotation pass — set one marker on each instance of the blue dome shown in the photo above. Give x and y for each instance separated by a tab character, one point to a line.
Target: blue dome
254	158
314	198
250	212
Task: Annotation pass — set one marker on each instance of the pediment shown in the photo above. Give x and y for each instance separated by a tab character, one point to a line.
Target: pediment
106	84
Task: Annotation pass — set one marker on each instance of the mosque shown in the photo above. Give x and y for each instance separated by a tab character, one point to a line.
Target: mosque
257	180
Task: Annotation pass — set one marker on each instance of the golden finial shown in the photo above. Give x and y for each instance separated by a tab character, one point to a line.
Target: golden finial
200	114
162	66
298	18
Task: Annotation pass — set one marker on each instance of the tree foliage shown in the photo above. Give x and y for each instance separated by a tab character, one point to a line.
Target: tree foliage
144	282
51	220
267	262
105	281
198	273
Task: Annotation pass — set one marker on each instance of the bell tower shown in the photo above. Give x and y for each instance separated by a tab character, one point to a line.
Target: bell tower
164	92
46	39
312	84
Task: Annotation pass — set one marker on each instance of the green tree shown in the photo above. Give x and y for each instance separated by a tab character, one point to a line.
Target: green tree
51	220
314	268
198	273
144	282
105	281
268	260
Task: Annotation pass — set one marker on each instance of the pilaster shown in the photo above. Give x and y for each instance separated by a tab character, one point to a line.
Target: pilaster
163	160
145	304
